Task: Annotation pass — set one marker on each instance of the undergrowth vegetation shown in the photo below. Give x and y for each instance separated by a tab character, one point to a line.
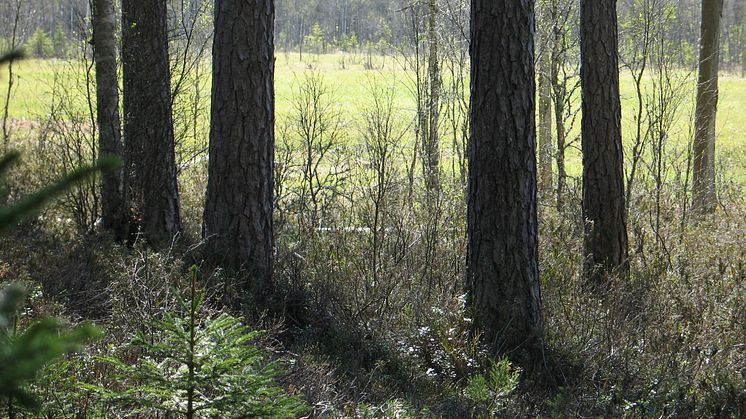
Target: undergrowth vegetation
369	317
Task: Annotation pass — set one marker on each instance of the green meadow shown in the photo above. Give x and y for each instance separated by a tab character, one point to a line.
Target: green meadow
349	82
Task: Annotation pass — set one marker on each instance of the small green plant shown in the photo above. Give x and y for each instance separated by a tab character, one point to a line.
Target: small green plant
200	365
24	352
315	41
60	42
394	408
489	392
349	43
40	44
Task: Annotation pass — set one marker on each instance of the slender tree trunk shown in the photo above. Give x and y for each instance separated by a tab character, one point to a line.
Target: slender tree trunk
738	53
559	90
545	112
560	155
606	248
703	193
152	189
238	207
107	114
11	76
432	149
502	262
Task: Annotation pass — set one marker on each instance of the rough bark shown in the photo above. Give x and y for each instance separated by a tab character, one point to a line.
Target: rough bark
604	212
152	190
703	180
502	267
238	207
107	114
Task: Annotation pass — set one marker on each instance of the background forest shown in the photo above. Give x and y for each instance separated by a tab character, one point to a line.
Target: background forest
136	304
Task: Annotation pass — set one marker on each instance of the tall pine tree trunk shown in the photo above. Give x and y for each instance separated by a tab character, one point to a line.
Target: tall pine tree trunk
107	114
238	206
152	189
502	261
703	181
606	248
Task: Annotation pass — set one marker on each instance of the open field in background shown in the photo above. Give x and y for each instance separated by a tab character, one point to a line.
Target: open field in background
349	82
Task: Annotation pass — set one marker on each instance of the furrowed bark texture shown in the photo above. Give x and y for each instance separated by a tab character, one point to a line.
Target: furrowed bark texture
238	207
502	261
148	124
603	174
107	114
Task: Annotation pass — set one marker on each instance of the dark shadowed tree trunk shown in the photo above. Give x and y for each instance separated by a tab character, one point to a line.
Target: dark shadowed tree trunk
703	180
502	266
238	207
152	190
603	177
107	114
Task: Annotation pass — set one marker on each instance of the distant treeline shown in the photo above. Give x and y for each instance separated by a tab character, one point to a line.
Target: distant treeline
55	28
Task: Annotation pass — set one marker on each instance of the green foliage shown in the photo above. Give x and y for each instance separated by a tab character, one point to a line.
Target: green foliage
61	389
316	40
23	353
349	42
60	42
40	44
199	364
490	391
395	408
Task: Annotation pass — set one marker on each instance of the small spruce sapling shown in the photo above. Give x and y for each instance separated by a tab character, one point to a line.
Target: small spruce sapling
489	392
200	365
23	353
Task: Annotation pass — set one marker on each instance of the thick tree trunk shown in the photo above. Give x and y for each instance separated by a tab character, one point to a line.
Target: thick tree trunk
238	207
502	265
107	114
152	190
703	181
603	174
